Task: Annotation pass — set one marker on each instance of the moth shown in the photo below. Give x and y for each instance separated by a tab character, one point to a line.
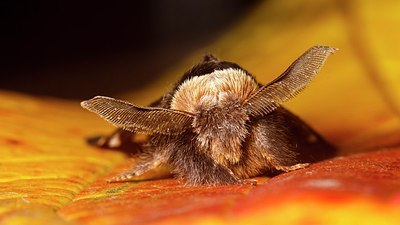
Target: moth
218	125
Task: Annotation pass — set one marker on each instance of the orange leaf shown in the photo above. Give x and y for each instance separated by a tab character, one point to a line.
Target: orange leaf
49	175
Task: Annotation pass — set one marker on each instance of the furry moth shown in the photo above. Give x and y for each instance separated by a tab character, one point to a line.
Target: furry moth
218	125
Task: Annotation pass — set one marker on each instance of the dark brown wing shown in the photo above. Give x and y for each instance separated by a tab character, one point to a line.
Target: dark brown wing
139	119
290	83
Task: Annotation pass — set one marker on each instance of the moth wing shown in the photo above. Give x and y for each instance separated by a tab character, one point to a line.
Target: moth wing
299	74
139	119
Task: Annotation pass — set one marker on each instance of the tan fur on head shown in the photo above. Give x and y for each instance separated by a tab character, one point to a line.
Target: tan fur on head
211	89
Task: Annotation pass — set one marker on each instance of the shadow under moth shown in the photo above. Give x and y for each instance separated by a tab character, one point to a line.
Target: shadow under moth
218	125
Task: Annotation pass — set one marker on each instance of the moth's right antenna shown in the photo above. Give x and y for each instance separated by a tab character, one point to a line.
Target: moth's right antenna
299	74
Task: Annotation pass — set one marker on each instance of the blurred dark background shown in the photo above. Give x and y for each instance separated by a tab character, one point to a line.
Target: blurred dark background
79	49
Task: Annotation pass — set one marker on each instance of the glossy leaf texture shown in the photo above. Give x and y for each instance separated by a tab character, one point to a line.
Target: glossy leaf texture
49	175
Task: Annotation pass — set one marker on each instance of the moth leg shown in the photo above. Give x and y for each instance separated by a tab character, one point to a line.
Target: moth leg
145	163
249	181
237	179
215	174
198	169
125	176
290	168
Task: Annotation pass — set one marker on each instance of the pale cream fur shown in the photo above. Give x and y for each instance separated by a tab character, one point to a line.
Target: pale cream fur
210	89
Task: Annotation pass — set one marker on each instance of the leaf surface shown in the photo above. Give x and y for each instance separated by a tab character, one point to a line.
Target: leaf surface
49	175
